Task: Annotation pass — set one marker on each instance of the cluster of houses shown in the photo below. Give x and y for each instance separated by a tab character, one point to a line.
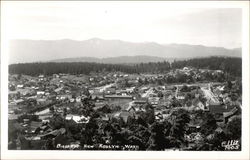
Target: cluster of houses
122	93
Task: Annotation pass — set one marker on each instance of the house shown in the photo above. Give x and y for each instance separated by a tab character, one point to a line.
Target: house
77	118
56	76
97	97
78	99
45	117
121	92
106	117
219	130
220	108
13	93
197	105
136	105
143	89
57	90
118	97
12	117
231	113
140	101
131	108
33	127
26	91
161	115
65	96
40	92
110	90
41	101
54	133
43	112
180	97
41	77
194	137
19	86
185	69
91	91
152	95
153	100
130	90
193	127
124	114
219	71
223	112
196	95
18	102
158	116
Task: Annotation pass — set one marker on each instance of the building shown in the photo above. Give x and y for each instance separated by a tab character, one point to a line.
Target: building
77	118
223	112
118	97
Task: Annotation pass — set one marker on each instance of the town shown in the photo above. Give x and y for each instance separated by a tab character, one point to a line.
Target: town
177	110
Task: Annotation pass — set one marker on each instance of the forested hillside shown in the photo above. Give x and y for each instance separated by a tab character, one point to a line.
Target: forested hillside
230	65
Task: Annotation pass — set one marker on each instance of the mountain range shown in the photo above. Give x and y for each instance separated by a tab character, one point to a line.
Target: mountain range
108	51
116	60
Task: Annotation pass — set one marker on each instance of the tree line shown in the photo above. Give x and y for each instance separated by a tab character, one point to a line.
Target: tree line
231	65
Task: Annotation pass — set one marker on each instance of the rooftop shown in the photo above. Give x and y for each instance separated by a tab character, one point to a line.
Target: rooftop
220	108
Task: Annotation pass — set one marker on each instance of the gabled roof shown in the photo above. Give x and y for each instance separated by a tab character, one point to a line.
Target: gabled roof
220	108
13	116
34	125
195	101
230	113
55	132
117	96
219	129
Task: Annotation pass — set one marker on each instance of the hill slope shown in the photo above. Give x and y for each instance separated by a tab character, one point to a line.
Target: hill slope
115	60
47	50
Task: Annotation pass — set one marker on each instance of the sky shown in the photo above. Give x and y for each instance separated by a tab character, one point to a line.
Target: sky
159	22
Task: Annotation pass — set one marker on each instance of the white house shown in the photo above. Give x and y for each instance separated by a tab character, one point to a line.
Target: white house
40	92
78	119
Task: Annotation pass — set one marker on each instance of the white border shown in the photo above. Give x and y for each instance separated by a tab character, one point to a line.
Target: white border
244	154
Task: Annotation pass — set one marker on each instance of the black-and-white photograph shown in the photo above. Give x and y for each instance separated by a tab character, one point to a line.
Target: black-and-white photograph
123	76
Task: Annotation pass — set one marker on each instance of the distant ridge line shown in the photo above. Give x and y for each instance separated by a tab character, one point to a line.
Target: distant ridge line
22	51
